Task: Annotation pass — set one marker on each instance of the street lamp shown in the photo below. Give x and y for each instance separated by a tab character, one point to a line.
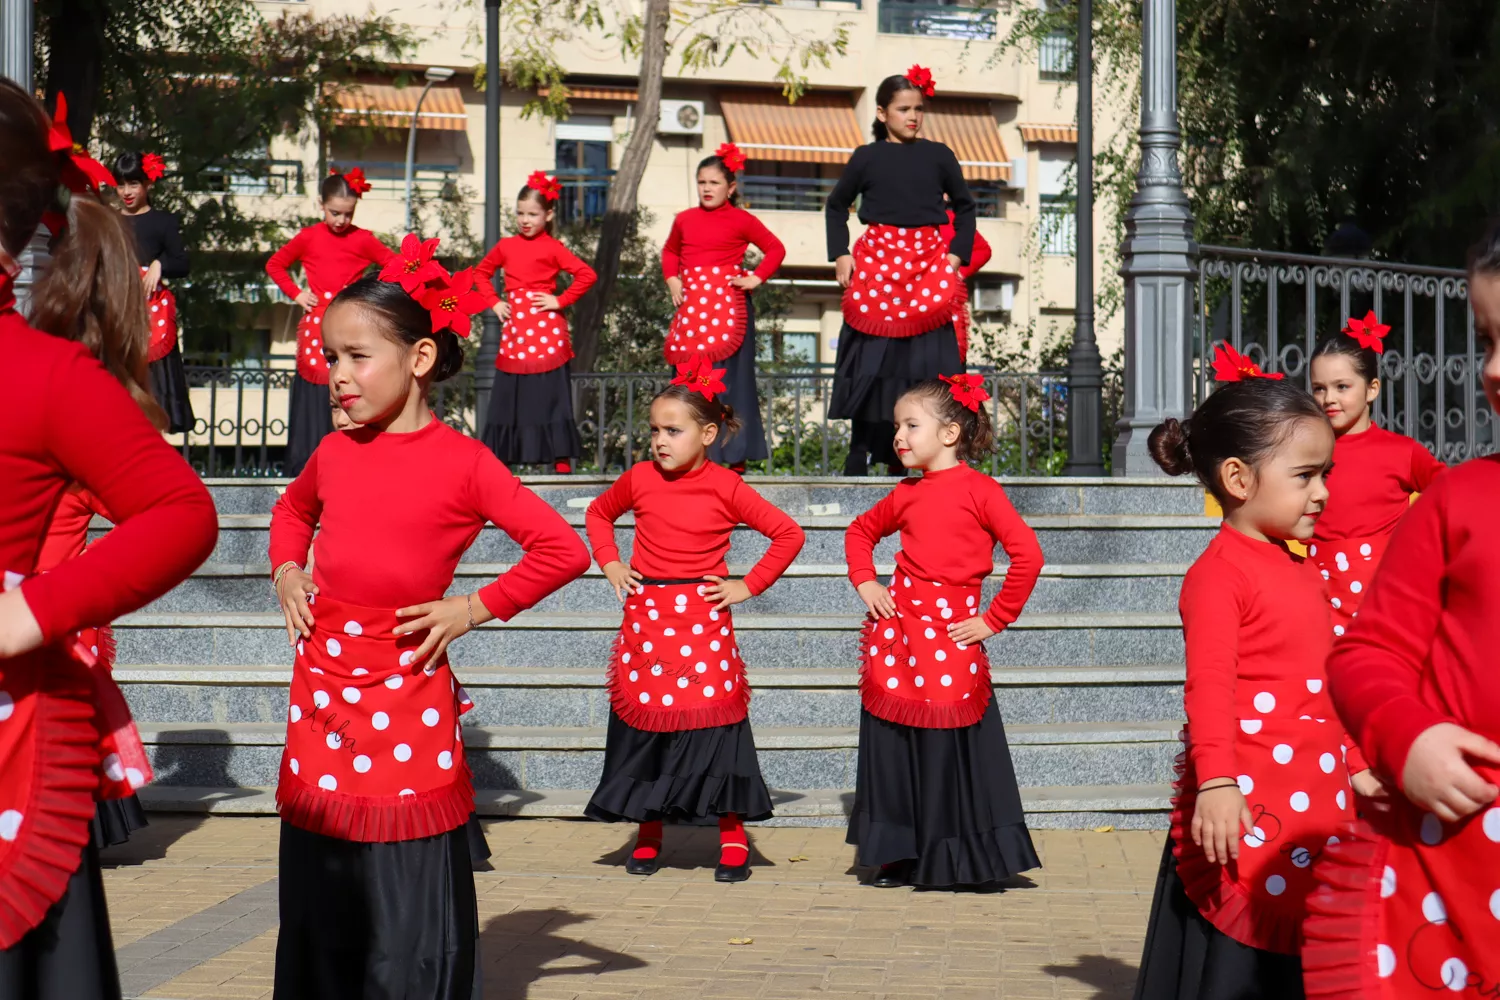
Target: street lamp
434	74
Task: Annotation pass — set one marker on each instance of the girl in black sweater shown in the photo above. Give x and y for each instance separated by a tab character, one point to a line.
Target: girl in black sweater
899	278
158	250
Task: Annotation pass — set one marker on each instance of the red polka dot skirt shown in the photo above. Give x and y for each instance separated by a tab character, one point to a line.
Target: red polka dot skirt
712	318
532	340
161	314
1348	565
310	362
374	752
903	283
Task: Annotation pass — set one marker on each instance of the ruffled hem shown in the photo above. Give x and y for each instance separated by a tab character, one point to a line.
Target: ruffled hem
900	328
1343	917
977	857
56	828
375	820
116	819
883	704
653	719
726	347
623	799
512	366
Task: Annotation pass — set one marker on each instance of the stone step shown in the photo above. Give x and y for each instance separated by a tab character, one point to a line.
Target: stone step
1125	807
546	758
806	587
576	639
576	697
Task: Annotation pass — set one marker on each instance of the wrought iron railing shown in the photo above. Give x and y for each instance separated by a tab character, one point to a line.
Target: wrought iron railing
252	177
388	177
241	420
1055	56
1057	228
937	21
585	195
1277	308
785	194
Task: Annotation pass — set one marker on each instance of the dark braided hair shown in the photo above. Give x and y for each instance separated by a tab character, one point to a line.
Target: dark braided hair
884	95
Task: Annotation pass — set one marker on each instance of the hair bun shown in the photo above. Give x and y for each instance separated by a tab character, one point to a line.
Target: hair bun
1168	444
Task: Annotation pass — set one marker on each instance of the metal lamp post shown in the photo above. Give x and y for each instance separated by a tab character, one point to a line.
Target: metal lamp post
434	74
1085	368
1160	257
489	338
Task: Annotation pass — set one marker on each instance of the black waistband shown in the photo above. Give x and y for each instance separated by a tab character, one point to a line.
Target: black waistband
653	582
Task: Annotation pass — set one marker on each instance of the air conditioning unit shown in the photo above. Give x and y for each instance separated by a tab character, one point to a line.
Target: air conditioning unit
681	118
1018	174
998	297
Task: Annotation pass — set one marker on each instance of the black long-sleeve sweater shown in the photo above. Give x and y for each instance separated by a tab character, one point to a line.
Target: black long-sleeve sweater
157	237
902	184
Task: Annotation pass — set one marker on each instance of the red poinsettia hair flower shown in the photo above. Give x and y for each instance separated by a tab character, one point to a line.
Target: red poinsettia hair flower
453	302
734	160
355	178
154	167
80	172
1232	366
921	78
550	188
1369	332
414	267
967	389
702	377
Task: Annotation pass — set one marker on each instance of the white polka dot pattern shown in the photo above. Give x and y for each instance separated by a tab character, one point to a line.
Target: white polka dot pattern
903	283
533	340
712	318
913	673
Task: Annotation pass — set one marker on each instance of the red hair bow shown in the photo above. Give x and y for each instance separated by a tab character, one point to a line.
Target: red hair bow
414	266
1232	366
921	78
453	302
81	172
1369	332
550	188
154	167
734	160
702	377
967	389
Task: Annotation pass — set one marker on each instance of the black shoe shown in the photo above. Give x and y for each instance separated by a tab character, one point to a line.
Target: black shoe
642	866
894	876
732	873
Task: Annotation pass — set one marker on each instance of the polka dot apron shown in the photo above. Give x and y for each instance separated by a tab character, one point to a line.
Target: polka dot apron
1408	906
123	765
711	320
1290	747
903	282
532	340
161	307
374	752
911	673
310	362
1348	564
676	664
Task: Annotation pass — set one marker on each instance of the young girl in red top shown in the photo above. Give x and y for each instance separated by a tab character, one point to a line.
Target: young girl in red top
69	421
334	253
679	744
715	316
530	421
936	802
377	895
1264	781
1374	471
901	278
1409	903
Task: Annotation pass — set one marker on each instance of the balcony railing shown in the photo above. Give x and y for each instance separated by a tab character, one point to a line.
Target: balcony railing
785	194
937	21
388	177
1057	229
585	194
252	177
1056	57
241	422
1278	307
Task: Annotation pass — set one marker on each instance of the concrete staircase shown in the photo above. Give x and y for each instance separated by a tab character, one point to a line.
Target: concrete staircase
1089	680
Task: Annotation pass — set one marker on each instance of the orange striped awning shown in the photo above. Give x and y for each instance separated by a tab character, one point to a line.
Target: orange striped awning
1035	135
383	106
969	129
819	128
594	92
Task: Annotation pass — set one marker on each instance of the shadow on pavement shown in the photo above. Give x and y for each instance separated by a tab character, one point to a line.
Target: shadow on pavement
1114	979
515	947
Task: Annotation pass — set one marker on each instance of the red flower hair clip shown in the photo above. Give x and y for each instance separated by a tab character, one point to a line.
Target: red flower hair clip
734	160
967	389
921	78
414	266
550	188
154	167
1232	366
81	172
1369	332
355	178
453	302
702	377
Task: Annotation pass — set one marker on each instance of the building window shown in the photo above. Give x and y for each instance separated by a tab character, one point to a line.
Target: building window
584	144
989	198
1056	57
769	186
794	348
937	19
1056	228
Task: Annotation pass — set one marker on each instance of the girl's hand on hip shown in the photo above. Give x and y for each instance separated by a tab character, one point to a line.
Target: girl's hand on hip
19	631
1218	817
970	631
843	270
953	259
541	300
622	578
443	621
1437	776
746	282
726	592
502	310
293	590
877	598
307	299
674	285
1367	786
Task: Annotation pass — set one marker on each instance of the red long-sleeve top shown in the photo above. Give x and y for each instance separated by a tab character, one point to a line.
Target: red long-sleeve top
1420	651
1375	472
1252	613
683	523
702	237
982	249
532	264
949	523
68	420
396	512
330	261
68	530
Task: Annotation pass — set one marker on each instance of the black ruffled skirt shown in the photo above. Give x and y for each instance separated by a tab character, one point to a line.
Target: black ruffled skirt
749	443
693	775
376	920
170	389
309	420
530	419
945	799
1187	958
70	955
871	373
115	820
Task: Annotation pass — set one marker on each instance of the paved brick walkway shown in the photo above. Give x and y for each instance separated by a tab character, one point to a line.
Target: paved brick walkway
193	906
